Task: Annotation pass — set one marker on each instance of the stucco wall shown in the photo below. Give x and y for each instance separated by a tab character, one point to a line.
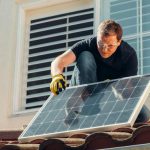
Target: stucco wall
8	34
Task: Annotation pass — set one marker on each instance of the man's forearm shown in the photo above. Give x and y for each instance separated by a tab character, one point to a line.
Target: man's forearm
56	67
61	62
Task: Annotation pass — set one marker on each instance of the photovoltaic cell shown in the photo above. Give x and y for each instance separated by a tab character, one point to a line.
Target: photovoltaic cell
86	108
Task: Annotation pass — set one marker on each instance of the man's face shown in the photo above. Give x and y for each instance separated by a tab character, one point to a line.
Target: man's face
107	45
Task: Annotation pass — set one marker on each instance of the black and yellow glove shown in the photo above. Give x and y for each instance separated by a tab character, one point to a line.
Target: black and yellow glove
58	83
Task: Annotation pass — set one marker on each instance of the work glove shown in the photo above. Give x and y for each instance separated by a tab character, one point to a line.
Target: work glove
58	83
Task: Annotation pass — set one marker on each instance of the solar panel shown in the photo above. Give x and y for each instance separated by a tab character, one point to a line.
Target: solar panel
92	107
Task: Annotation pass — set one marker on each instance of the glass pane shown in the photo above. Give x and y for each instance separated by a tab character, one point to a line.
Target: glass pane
125	13
146	55
146	15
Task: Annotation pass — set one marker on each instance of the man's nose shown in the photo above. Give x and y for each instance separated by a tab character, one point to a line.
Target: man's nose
105	48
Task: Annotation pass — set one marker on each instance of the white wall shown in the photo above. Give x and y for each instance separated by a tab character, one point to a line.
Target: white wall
8	34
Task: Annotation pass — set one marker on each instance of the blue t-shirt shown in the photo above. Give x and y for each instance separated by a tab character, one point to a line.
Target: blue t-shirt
122	63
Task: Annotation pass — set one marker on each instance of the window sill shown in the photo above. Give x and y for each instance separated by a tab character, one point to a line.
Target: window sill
25	112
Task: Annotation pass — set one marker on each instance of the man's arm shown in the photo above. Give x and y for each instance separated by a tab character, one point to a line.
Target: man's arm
61	62
58	80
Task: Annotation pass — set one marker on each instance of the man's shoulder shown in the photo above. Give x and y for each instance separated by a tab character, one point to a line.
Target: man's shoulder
84	45
126	48
88	42
126	51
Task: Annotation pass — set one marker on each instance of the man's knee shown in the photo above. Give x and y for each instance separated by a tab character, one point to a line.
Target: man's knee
85	69
86	60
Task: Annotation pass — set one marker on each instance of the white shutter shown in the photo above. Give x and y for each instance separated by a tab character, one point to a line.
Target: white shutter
50	37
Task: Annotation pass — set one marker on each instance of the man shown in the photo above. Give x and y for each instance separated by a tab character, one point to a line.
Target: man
99	58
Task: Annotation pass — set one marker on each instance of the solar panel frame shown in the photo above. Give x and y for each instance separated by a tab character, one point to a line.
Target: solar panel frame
109	127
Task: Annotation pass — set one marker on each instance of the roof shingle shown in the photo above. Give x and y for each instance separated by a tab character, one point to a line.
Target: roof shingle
138	134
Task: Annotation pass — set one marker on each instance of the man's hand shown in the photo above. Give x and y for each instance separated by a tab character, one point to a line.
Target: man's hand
58	83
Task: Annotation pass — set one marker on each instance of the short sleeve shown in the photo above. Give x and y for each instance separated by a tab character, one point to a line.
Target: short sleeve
79	47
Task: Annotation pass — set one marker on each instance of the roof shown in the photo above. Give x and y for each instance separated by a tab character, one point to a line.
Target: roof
138	135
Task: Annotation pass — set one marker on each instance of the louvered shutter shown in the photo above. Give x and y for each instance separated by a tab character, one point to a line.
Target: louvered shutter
50	37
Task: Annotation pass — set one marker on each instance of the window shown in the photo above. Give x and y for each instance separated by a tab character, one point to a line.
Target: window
49	37
134	16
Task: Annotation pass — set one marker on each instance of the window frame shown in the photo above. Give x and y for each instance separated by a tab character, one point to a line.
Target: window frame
22	44
18	93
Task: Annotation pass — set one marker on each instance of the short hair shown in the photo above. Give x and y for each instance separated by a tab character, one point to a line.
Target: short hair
110	27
